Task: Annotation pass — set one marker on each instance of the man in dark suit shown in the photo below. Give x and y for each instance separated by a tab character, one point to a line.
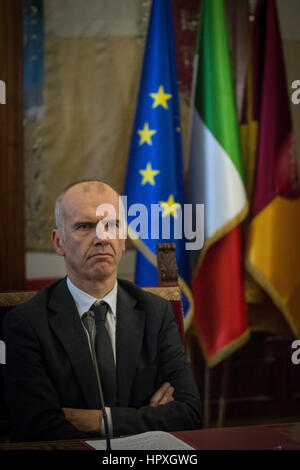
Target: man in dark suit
50	380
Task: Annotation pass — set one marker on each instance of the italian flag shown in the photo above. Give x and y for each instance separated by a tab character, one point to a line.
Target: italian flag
216	180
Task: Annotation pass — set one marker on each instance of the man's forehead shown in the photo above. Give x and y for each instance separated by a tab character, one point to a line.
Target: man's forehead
88	196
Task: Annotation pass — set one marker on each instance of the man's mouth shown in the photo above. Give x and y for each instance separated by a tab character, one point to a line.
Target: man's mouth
101	255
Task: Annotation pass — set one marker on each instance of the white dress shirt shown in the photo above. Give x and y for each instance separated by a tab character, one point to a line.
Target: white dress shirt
83	303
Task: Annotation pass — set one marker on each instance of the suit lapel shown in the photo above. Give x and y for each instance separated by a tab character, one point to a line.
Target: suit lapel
67	326
129	336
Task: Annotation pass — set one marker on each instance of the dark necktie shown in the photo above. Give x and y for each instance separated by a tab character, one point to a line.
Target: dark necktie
105	355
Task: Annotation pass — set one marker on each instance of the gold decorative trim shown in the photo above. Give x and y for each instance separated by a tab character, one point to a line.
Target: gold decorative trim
221	232
12	299
275	296
188	293
142	247
224	352
168	292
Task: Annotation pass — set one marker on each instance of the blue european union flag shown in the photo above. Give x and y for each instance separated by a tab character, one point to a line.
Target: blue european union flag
155	169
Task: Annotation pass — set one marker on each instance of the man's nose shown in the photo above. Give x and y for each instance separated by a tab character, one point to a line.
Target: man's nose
100	235
100	241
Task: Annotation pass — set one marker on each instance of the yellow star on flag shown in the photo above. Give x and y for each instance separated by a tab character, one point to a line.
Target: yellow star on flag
170	207
148	175
146	134
160	98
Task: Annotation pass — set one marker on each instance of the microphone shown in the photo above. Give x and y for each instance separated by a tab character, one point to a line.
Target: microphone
88	319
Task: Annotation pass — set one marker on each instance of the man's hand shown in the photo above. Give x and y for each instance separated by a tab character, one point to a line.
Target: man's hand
163	395
85	420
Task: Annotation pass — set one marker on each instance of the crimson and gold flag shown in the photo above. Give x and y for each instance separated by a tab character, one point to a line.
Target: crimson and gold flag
272	248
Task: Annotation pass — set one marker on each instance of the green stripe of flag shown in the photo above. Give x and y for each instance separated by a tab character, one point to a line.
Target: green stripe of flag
214	92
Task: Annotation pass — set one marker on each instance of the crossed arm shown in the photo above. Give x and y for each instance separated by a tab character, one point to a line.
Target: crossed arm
89	421
28	381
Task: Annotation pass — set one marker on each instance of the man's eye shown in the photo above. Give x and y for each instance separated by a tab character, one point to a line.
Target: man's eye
83	226
112	224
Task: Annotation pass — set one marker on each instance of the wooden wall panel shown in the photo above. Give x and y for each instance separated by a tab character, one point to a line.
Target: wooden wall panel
12	246
263	383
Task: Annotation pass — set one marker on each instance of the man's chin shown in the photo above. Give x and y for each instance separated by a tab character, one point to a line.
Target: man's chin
102	271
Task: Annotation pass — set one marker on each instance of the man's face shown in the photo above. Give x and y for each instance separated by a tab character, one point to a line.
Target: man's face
89	254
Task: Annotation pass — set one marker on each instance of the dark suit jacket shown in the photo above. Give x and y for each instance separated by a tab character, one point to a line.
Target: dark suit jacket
48	366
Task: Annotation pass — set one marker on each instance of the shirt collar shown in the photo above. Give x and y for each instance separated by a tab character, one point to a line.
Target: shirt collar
84	301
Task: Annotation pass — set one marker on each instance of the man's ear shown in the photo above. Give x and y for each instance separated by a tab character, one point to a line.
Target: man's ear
57	241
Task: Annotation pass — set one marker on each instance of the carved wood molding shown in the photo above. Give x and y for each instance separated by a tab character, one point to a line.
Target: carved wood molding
168	292
12	299
166	264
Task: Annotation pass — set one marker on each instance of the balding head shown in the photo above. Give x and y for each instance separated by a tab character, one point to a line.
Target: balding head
90	233
84	186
